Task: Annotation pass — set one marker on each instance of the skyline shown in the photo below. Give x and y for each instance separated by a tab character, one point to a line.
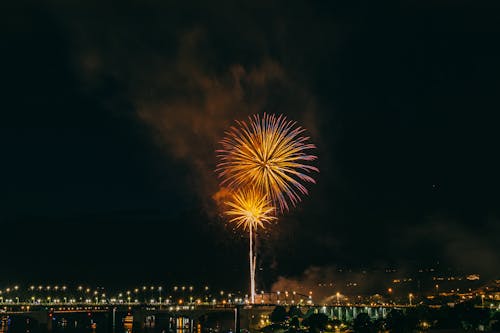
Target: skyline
111	118
390	286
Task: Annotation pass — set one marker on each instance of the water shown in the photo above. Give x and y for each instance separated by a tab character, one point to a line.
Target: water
123	323
72	327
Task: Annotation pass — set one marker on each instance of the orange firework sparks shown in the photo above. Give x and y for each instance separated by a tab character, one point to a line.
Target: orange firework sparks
271	153
250	209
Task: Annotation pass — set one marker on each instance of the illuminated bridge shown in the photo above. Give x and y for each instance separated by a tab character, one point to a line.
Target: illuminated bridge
170	317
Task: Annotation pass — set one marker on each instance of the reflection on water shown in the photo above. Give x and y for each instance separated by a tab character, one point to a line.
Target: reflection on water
114	321
3	325
72	325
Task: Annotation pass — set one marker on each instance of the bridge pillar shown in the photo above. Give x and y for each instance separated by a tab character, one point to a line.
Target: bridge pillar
237	321
172	324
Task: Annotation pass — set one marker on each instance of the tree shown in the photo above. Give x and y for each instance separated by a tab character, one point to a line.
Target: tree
495	321
278	315
470	316
397	322
414	316
294	322
316	322
335	323
274	328
295	312
446	318
362	323
378	325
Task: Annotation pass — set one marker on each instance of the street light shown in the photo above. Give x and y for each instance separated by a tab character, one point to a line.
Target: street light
410	296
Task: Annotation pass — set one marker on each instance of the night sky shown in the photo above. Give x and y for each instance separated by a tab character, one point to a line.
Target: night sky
111	113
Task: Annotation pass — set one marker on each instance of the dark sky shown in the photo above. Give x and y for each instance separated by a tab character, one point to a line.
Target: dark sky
111	113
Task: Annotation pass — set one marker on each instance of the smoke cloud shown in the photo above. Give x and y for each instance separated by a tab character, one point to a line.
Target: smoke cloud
186	89
191	122
325	282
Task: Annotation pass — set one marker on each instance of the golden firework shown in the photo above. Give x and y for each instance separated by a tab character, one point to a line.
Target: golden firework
269	153
250	209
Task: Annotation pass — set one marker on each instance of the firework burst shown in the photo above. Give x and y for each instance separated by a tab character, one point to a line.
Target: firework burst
249	209
270	153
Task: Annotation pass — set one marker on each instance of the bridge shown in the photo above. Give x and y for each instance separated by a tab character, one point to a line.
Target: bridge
189	317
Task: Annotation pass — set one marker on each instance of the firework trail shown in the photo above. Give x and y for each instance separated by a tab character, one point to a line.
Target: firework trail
250	209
